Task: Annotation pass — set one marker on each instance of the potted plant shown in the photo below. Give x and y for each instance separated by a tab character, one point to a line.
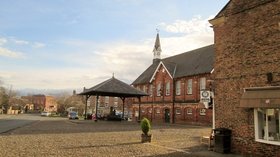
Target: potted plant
145	126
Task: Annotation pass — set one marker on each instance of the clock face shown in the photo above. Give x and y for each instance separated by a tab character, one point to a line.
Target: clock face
205	94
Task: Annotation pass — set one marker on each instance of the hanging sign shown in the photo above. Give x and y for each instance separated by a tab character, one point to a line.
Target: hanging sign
205	96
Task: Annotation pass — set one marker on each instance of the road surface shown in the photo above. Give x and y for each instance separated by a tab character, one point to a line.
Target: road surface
11	122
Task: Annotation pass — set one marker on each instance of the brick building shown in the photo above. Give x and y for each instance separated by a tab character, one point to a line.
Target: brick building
174	85
43	103
105	103
247	59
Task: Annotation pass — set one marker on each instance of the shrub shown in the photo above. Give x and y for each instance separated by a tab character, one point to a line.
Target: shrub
145	126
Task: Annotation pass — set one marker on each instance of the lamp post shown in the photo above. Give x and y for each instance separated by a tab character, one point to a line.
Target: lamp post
173	99
211	88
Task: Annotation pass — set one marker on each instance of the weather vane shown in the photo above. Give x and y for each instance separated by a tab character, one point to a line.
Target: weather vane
157	30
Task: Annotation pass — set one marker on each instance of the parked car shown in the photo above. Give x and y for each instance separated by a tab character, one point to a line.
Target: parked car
73	115
45	113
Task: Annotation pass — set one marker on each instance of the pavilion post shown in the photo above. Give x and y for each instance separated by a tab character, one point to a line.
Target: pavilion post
96	107
87	97
123	99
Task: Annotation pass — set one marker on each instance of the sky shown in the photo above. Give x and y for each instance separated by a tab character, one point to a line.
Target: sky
71	44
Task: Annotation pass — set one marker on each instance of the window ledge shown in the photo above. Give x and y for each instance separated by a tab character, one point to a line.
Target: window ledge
268	142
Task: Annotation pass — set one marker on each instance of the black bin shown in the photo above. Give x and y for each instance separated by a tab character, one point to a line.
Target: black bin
222	140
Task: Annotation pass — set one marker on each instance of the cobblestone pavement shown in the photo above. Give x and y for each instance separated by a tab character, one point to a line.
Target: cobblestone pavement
102	139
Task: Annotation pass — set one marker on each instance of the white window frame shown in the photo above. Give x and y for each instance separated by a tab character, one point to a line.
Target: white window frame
136	113
178	111
178	87
202	112
202	83
151	90
144	89
189	87
88	102
107	99
256	122
150	110
115	104
157	110
167	88
189	110
159	89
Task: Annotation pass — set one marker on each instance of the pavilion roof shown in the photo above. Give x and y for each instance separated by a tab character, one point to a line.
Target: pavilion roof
115	88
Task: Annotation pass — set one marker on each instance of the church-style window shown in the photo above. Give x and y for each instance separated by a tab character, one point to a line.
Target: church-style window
167	88
202	83
189	87
159	89
151	90
178	87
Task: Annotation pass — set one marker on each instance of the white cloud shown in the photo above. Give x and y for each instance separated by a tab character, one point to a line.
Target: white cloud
195	25
193	34
38	45
9	53
14	41
3	41
127	60
20	42
94	62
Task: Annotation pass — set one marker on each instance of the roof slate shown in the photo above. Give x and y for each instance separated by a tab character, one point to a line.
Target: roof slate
113	87
198	61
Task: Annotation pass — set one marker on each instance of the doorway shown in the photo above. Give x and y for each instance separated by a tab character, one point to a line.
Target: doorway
167	115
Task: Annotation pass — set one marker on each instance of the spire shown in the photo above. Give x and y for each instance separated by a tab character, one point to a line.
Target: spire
157	48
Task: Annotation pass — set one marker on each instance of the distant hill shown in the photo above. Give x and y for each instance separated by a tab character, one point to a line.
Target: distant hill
51	92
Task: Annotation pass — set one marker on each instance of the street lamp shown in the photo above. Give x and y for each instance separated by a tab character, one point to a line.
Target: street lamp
153	99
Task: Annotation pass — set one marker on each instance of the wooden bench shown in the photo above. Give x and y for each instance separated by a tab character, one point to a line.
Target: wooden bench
208	140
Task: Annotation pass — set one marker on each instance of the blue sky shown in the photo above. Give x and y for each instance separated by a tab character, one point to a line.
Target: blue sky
69	44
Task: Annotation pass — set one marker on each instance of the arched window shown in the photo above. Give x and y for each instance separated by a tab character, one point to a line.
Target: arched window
159	89
178	87
189	110
178	111
167	88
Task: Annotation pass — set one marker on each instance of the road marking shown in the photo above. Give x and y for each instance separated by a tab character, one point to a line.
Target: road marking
170	148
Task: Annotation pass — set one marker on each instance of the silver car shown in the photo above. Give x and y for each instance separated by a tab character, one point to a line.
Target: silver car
73	115
45	113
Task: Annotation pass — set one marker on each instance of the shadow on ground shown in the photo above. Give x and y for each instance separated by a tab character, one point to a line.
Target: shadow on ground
68	126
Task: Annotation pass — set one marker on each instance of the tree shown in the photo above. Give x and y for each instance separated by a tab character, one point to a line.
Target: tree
65	101
4	99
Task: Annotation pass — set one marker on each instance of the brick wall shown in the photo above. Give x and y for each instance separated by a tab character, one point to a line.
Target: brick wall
182	101
247	43
158	113
39	102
